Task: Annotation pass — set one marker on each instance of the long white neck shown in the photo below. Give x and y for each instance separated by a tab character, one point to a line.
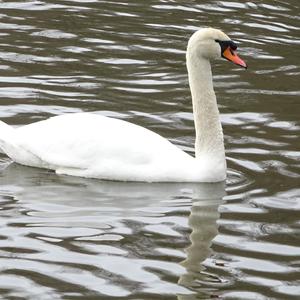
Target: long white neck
209	134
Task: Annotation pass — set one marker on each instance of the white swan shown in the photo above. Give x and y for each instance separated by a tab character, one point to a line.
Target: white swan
95	146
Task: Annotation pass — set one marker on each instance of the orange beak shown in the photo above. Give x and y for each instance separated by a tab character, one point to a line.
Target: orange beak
231	55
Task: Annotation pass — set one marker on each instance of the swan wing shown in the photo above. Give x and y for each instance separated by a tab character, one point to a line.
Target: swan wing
91	145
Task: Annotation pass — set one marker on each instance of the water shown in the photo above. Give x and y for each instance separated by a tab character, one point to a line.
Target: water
71	238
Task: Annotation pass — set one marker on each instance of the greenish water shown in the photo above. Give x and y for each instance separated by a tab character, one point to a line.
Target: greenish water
71	238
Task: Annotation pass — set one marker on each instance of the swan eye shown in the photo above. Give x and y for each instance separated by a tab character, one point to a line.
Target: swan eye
225	44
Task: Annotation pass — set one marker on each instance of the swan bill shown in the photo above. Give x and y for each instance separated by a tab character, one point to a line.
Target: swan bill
231	55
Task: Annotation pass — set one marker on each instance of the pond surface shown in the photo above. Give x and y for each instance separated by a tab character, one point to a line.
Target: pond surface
72	238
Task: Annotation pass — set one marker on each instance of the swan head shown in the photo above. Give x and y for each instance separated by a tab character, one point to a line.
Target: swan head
211	43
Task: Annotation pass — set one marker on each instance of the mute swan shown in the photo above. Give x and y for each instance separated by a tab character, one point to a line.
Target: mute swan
90	145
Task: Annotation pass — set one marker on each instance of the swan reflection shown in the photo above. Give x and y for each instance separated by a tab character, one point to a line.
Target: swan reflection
84	214
203	223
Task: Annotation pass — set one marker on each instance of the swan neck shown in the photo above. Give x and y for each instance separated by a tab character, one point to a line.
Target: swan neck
209	134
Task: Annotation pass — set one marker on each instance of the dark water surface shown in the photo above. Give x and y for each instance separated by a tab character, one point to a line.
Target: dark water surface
71	238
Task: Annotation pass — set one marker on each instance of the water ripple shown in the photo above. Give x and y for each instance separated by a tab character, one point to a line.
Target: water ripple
64	237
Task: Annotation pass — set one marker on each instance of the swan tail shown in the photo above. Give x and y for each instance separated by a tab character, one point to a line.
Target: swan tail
11	146
6	135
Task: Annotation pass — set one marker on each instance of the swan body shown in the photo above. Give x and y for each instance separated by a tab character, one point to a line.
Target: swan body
95	146
91	145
